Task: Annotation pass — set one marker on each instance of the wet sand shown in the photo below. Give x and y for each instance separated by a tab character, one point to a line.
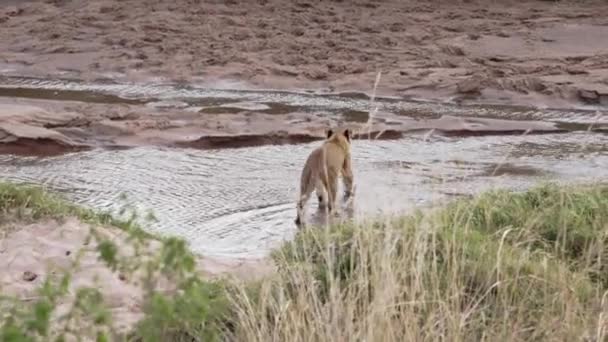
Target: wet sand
27	129
51	117
547	53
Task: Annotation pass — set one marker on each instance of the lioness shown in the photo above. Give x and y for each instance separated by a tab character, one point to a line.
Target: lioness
321	171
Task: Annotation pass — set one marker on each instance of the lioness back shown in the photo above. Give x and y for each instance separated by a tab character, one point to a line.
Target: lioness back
322	169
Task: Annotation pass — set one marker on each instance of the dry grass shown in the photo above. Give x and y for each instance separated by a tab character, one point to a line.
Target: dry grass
504	266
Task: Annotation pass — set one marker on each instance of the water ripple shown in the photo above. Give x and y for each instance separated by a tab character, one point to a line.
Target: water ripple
299	101
241	202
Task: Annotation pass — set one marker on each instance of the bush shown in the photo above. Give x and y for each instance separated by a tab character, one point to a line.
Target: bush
195	310
569	223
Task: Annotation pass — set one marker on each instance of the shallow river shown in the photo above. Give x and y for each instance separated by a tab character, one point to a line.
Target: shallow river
241	202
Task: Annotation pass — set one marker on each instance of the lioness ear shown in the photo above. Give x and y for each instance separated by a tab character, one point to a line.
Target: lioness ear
329	133
347	134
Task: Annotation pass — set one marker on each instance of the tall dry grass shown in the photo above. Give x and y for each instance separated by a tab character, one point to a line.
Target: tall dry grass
504	266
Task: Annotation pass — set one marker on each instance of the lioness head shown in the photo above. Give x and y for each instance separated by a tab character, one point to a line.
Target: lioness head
339	133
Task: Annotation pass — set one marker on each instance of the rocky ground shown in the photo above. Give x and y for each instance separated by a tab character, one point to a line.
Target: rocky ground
552	53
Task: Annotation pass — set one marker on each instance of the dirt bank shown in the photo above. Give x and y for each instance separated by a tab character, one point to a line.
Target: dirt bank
526	51
35	252
44	127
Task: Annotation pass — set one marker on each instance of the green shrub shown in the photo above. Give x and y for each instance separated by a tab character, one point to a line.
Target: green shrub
198	310
569	223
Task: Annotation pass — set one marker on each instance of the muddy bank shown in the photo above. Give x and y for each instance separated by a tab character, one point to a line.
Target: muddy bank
45	127
42	147
535	52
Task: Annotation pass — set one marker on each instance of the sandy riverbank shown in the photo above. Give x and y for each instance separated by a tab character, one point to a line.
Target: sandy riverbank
46	127
550	53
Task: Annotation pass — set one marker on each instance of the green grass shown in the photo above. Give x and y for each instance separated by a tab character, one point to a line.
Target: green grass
570	224
502	266
31	203
198	309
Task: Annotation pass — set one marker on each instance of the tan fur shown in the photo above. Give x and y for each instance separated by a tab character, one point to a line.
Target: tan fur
322	169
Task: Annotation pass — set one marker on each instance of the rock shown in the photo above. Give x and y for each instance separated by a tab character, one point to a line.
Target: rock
576	71
523	85
18	112
452	50
36	116
470	85
315	74
109	127
589	96
535	84
29	276
449	123
16	130
499	59
13	11
246	106
167	104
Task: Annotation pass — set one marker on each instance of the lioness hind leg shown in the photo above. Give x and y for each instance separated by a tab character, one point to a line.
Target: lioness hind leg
321	194
331	185
301	205
332	189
